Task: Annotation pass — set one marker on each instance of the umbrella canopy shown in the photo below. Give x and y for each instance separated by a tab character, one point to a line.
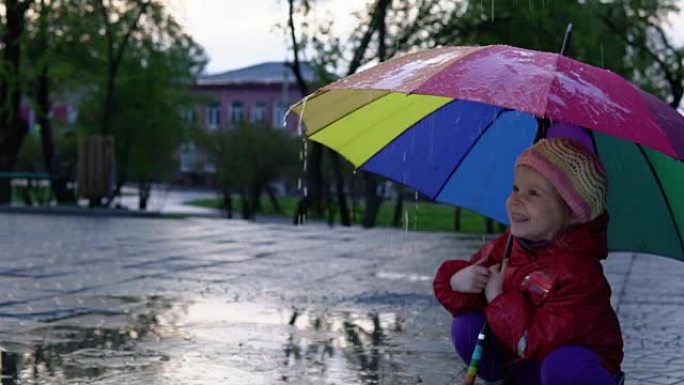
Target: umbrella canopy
450	122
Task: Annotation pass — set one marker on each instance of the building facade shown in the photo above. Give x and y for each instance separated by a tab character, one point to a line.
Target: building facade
259	94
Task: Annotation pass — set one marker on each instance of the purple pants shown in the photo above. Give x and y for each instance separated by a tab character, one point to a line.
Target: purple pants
570	364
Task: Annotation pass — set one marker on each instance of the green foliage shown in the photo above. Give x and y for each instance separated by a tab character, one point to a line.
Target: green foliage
30	157
151	89
250	157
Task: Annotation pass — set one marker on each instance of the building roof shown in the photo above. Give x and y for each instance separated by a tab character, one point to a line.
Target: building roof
264	73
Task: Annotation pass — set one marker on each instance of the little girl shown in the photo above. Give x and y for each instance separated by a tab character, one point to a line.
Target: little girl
548	308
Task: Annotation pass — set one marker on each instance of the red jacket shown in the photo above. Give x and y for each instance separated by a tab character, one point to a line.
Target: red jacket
575	310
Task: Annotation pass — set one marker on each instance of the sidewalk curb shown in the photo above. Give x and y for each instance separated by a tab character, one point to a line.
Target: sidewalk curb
80	211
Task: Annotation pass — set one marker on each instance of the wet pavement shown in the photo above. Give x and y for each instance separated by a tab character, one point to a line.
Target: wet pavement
102	300
170	200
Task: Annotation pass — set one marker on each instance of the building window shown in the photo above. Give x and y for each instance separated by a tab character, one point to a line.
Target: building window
189	115
259	112
187	157
72	114
279	111
209	164
236	112
213	117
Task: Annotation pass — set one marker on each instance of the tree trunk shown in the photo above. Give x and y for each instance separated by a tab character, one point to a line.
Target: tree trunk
117	190
313	174
58	181
13	129
378	23
345	219
399	206
255	199
372	200
274	200
489	225
457	219
247	212
143	195
227	203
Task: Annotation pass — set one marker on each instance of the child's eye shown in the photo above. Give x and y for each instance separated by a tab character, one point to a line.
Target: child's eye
534	193
515	188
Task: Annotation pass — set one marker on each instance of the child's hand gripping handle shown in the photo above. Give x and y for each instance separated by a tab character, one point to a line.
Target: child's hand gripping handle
479	346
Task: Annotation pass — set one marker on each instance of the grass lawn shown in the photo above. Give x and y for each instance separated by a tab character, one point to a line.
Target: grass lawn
36	193
417	216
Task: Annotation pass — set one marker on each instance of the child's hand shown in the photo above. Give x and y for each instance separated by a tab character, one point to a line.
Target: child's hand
471	279
495	283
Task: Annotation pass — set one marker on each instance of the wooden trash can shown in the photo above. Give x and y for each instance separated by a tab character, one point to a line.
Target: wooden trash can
95	166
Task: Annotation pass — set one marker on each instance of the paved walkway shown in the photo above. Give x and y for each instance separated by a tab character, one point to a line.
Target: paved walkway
202	301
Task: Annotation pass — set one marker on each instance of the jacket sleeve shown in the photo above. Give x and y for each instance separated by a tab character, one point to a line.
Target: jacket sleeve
453	301
534	331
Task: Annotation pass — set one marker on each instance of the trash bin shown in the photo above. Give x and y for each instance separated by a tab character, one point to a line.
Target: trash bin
95	166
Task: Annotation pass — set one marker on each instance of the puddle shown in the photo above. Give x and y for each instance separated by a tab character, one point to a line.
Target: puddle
269	344
85	348
215	341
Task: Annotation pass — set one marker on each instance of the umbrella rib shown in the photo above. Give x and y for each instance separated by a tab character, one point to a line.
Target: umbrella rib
665	196
465	155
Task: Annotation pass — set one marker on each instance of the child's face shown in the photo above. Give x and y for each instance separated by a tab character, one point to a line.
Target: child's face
535	209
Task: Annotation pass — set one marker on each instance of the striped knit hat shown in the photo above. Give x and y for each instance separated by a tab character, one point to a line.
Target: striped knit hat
576	173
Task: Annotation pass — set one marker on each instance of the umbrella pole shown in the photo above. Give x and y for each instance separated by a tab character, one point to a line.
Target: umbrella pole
544	123
566	40
479	345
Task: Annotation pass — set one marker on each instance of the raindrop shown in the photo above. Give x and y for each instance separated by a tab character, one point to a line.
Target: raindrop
304	153
415	215
406	221
301	115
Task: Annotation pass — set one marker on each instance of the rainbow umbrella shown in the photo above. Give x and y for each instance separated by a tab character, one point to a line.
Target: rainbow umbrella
450	122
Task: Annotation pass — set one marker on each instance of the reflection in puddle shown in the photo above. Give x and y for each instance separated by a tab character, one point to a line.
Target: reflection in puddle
86	347
214	341
315	346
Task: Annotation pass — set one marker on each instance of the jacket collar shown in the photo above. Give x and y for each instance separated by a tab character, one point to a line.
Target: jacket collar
589	238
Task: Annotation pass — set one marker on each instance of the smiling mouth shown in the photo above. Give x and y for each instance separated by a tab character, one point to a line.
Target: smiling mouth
519	217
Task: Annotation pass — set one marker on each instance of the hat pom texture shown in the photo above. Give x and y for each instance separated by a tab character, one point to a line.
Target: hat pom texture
575	172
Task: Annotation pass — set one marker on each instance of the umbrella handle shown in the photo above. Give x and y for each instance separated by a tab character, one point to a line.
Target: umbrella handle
507	250
479	345
475	359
